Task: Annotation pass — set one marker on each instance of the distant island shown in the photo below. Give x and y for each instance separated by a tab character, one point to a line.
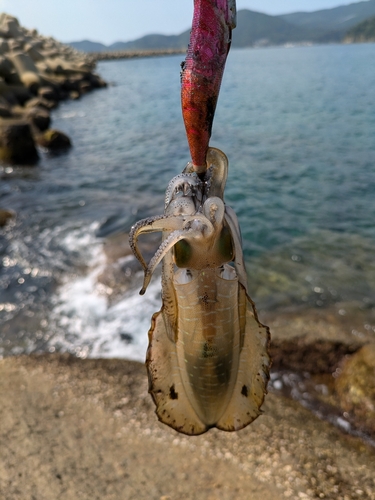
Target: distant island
347	23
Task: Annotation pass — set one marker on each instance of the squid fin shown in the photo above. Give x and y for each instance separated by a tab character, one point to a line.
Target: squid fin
253	374
172	404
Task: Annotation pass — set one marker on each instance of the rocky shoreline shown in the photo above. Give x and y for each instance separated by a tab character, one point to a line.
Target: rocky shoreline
36	72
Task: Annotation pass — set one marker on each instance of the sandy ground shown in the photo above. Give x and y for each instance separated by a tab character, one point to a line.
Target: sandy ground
86	429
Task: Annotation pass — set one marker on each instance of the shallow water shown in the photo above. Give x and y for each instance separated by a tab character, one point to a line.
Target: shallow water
298	127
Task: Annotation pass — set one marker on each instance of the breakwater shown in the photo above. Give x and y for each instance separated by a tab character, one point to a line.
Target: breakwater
36	72
132	54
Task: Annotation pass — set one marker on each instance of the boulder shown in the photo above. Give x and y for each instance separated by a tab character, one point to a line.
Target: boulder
9	26
4	46
33	52
26	69
15	94
15	45
6	67
16	142
355	386
54	140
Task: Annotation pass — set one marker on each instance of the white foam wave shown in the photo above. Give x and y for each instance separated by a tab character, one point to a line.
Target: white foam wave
84	322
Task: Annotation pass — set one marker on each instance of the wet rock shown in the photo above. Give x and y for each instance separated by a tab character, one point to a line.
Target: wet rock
5	216
355	385
54	140
16	143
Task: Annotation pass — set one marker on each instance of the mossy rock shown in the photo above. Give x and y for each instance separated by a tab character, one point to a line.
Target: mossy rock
54	140
355	387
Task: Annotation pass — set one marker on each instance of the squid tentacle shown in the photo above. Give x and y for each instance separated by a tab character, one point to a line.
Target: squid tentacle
151	225
194	227
167	244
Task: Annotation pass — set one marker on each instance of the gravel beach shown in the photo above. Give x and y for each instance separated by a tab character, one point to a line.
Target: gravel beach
86	429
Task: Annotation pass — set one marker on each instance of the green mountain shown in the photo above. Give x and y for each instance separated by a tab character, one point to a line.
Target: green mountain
255	28
332	23
362	32
150	42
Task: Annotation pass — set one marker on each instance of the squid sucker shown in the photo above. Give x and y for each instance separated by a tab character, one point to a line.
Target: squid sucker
207	359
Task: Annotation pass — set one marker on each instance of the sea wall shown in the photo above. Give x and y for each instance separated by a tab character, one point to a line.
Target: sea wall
36	72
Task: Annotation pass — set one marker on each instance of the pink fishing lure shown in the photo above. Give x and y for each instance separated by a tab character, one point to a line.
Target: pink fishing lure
202	72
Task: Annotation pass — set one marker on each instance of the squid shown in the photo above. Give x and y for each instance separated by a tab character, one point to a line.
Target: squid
207	359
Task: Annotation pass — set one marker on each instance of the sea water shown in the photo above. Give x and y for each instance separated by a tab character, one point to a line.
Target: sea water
298	127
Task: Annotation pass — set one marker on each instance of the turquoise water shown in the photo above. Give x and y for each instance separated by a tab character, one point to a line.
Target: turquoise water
298	128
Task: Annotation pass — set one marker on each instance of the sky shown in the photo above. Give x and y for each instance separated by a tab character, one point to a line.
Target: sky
109	21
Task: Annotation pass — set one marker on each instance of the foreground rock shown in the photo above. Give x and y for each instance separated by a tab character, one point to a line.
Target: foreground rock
355	385
36	72
86	429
